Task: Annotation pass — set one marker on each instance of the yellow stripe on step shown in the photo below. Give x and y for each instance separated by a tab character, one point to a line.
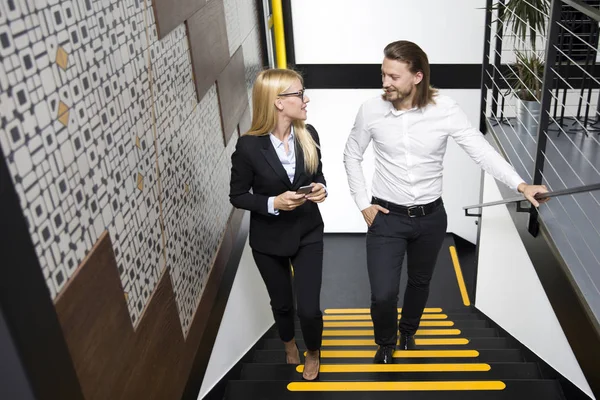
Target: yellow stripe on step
473	367
419	342
459	277
369	332
367	324
368	311
400	353
393	386
367	317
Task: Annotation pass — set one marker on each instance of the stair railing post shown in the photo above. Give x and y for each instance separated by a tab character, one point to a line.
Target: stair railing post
542	132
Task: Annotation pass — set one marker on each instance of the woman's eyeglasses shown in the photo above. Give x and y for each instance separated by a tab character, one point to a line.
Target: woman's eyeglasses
299	94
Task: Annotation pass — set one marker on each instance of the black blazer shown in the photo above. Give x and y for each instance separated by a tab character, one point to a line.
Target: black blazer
256	167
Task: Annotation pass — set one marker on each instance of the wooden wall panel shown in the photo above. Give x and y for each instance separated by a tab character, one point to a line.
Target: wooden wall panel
233	95
112	360
207	34
170	13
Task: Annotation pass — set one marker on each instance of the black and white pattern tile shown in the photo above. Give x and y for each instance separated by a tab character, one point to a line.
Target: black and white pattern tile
76	116
252	59
232	22
191	167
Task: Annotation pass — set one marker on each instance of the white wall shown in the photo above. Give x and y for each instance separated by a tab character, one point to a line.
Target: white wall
510	293
356	31
247	317
332	112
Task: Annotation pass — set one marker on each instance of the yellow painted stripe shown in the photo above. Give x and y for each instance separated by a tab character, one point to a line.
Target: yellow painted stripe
394	386
367	317
368	311
279	34
369	332
400	353
459	277
366	324
472	367
371	342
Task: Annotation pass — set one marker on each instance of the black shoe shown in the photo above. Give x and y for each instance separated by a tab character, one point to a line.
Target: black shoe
384	355
407	342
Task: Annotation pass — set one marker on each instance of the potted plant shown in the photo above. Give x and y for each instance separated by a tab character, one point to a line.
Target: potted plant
527	85
524	20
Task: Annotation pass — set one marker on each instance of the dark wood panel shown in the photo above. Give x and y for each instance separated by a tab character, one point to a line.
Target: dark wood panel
207	34
233	96
155	361
170	13
245	120
26	304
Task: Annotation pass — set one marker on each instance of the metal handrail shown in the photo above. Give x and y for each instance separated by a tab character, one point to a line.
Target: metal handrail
556	193
584	8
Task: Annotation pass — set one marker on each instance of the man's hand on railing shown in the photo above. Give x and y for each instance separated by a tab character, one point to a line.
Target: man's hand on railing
530	191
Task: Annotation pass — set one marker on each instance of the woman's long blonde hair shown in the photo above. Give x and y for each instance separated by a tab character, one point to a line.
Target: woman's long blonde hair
269	84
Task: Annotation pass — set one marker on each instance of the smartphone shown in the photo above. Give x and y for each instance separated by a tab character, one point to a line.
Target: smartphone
305	189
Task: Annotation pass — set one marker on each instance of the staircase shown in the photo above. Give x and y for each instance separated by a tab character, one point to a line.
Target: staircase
461	356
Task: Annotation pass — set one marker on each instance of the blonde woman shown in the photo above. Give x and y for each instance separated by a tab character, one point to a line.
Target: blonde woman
277	174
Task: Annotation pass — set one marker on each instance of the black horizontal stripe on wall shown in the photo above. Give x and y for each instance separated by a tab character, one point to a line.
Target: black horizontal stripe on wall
368	76
443	76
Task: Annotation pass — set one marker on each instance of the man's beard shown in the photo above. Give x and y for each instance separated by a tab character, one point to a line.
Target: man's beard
397	95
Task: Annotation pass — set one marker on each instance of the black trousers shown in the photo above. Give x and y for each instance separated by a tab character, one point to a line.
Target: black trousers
308	267
388	239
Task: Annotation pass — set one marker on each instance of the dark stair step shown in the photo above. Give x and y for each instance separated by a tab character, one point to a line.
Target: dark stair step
450	316
285	372
487	355
474	343
461	310
277	390
456	324
368	332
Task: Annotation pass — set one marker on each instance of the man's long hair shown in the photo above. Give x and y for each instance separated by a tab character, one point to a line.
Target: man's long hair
417	61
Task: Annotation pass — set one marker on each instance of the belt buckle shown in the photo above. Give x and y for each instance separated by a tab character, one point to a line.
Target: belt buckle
410	211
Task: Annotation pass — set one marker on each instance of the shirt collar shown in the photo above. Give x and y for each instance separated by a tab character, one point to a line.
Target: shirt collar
277	143
392	110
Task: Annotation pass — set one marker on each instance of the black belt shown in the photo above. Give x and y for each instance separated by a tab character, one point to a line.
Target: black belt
412	211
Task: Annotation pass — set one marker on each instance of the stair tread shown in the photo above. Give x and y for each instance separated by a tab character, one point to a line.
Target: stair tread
474	343
462	310
288	372
277	390
467	332
438	324
449	316
485	355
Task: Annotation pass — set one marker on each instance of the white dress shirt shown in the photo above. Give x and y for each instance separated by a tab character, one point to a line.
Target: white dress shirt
409	150
288	160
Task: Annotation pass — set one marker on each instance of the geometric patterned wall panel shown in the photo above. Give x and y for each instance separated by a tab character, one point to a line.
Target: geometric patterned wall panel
195	204
252	59
245	121
96	141
232	18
